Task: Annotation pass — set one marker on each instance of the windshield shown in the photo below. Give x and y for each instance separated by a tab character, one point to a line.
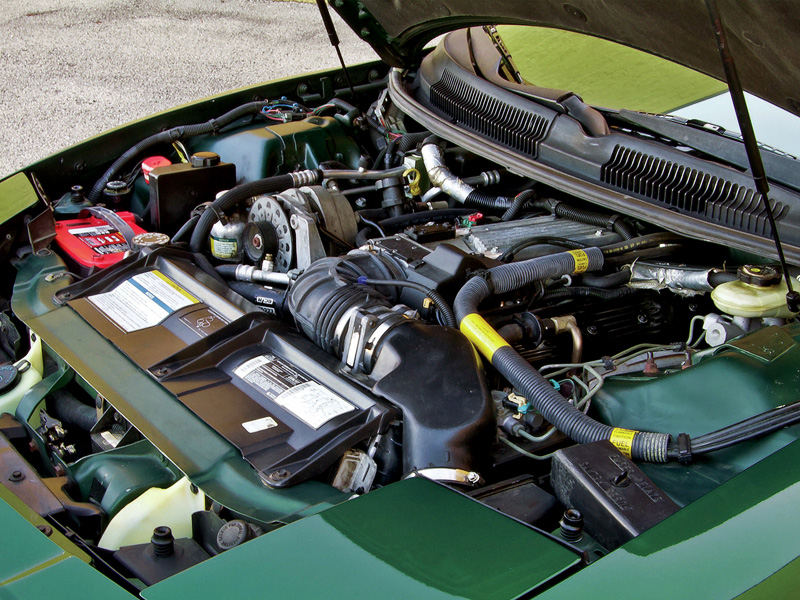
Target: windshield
611	75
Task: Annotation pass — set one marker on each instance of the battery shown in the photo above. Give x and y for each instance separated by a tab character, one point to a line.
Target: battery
91	243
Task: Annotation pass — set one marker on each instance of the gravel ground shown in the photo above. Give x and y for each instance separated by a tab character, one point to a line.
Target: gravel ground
70	69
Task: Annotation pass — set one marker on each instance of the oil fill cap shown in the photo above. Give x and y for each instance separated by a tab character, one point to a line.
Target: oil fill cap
150	239
9	375
759	275
205	159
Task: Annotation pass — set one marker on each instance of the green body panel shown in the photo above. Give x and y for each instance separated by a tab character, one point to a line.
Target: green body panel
17	194
720	546
66	579
412	539
124	474
783	584
259	151
210	461
40	566
756	374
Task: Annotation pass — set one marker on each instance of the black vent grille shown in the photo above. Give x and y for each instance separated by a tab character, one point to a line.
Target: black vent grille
689	190
496	119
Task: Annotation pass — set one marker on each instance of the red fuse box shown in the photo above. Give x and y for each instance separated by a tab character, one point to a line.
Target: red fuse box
92	242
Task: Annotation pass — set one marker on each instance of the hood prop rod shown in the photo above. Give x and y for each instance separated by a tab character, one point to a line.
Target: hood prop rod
334	38
750	143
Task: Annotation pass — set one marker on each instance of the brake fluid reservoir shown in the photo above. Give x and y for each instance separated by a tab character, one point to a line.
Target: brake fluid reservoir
759	292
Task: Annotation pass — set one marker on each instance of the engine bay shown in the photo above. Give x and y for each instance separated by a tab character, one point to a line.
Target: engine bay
245	321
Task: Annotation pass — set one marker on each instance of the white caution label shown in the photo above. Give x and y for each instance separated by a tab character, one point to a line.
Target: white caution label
142	301
294	391
313	403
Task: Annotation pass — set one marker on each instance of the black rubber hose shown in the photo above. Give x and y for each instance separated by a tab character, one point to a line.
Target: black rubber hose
704	446
517	204
513	276
68	409
587	292
589	217
410	141
716	278
767	418
269	299
388	158
651	447
544	240
172	135
448	318
612	280
226	271
660	251
651	240
231	198
201	261
365	235
185	228
478	199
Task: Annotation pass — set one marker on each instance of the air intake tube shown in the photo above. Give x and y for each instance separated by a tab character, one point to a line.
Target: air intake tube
639	445
448	417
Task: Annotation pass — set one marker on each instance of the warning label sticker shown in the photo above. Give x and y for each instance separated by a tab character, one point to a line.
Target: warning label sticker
290	388
142	301
102	239
260	424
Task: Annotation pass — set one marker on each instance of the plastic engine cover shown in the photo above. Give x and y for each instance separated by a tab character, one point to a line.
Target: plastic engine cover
270	392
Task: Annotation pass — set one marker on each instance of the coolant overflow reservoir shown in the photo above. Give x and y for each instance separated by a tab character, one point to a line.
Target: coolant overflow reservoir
760	291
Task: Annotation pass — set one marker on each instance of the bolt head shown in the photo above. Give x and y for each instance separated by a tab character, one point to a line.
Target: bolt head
279	474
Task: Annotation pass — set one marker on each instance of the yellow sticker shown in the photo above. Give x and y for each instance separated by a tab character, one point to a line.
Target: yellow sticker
623	440
175	286
482	335
581	261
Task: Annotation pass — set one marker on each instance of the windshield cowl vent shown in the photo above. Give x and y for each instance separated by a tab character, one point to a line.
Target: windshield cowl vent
689	190
484	114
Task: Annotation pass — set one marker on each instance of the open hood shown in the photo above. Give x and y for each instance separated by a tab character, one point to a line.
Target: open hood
680	31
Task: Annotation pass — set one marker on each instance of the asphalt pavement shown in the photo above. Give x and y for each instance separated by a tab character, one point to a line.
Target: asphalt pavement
70	69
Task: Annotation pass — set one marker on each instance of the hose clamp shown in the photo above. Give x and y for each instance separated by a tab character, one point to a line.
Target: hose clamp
684	449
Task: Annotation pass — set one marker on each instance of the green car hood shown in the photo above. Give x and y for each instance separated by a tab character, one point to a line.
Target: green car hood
759	33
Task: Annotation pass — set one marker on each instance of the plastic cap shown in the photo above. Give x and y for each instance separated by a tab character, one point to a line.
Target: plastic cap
205	159
759	275
232	534
153	162
9	375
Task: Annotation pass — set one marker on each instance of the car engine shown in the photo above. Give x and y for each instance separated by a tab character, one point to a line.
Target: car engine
237	323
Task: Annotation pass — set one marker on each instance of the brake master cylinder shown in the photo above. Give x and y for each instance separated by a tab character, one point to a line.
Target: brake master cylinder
759	292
